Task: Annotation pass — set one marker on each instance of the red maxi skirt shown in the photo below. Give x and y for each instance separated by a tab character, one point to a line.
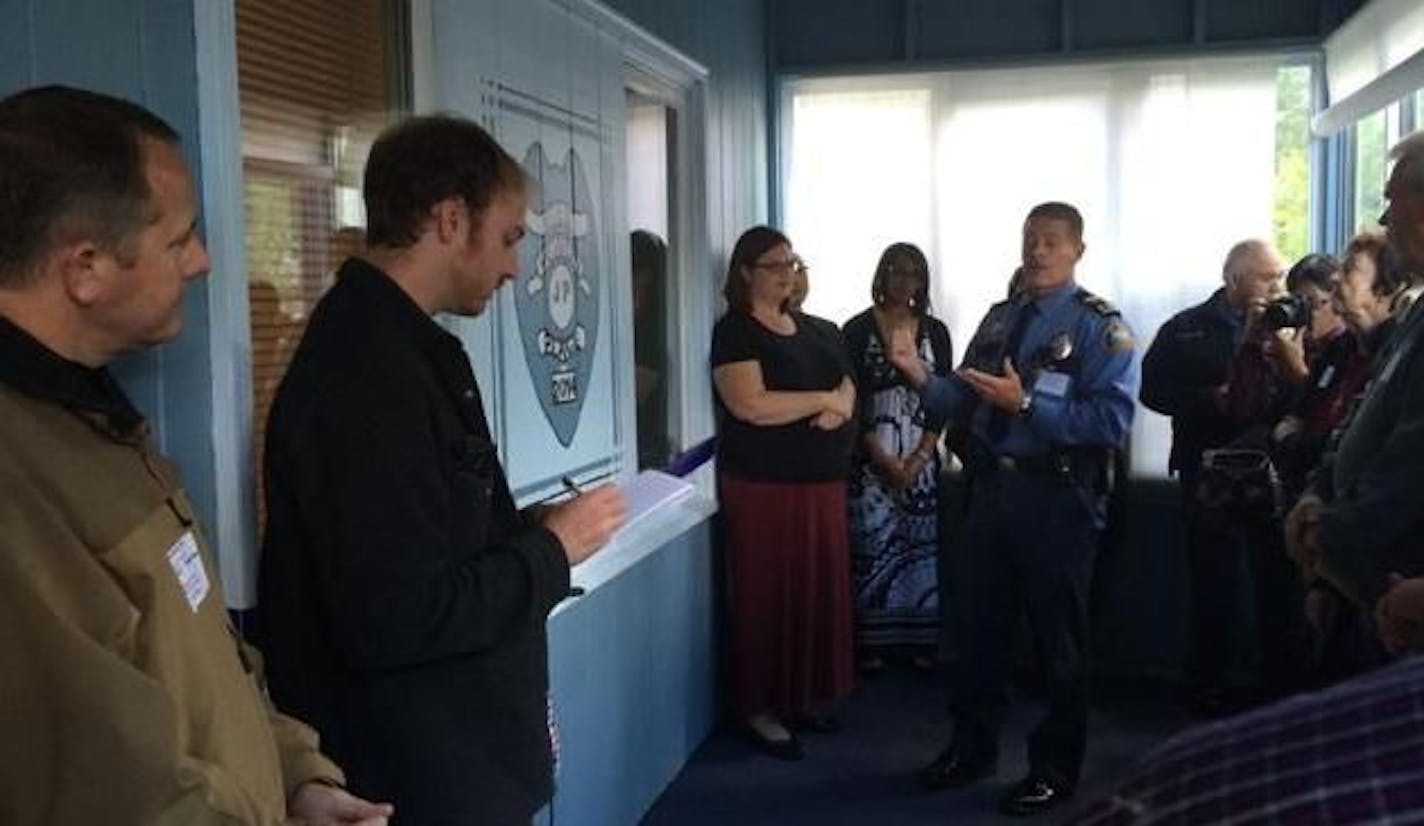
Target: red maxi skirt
789	583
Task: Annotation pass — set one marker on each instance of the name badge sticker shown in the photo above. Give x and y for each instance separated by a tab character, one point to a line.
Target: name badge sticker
187	563
1053	384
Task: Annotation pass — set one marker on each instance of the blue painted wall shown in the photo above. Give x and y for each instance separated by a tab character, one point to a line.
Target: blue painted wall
633	669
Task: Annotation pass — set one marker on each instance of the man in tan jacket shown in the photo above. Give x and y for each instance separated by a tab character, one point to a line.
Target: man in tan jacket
125	695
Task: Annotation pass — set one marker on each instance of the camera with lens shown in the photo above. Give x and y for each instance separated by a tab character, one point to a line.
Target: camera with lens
1288	311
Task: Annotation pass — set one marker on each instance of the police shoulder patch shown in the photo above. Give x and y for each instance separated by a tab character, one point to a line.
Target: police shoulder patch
1097	304
1118	337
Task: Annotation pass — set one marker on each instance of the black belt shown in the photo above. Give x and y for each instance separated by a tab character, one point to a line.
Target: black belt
1044	465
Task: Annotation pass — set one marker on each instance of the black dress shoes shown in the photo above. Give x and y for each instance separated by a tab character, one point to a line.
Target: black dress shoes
951	771
788	749
1032	795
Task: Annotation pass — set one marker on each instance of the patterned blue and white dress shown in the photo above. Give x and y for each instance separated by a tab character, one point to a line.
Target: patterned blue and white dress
894	533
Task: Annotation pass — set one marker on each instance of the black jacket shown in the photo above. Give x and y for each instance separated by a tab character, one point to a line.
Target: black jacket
1188	360
402	597
1372	524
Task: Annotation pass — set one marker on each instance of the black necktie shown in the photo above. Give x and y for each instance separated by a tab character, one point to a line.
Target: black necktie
998	425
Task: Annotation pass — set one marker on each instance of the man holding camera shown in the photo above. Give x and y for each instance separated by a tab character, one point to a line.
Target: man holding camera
1187	375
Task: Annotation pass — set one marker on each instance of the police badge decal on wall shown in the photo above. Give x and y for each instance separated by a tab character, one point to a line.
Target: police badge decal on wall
557	294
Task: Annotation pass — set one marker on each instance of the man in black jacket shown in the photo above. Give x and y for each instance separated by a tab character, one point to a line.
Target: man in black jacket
1185	375
403	597
1360	522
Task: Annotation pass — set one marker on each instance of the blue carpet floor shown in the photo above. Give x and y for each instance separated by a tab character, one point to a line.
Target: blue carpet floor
893	725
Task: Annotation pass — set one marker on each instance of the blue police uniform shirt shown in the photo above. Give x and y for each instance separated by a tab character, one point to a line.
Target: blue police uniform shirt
1083	399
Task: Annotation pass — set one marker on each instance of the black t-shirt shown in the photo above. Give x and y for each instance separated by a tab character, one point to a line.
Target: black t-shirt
812	358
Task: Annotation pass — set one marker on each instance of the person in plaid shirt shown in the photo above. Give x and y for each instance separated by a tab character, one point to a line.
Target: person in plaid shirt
1349	754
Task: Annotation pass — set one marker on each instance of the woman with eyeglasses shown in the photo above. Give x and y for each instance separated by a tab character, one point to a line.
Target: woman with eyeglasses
1330	347
786	404
1369	292
894	484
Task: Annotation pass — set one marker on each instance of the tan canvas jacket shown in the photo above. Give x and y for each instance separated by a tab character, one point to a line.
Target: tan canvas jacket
125	695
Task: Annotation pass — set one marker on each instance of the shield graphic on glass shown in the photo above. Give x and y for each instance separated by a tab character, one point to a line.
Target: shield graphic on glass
557	294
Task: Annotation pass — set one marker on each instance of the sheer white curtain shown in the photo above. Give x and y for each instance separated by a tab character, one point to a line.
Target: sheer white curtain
1170	162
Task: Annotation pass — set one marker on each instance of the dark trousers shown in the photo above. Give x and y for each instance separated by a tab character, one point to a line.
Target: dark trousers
1029	541
1283	637
1214	565
1218	543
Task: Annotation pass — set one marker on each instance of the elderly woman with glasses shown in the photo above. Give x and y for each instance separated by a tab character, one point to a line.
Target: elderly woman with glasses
1368	291
894	487
786	405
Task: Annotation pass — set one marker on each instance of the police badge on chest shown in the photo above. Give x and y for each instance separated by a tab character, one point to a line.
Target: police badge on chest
1051	367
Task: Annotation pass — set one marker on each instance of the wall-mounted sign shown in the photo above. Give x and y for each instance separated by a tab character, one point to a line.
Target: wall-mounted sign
557	294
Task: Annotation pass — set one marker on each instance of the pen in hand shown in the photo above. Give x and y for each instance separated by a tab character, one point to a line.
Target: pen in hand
572	487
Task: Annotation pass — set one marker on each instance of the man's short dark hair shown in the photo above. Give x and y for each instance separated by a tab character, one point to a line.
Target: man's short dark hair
1059	211
1318	269
424	160
71	167
753	244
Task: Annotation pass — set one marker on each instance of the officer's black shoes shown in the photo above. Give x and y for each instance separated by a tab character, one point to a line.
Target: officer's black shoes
1032	795
788	749
950	771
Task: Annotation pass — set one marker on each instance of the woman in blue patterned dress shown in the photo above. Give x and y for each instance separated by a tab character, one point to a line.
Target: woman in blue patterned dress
894	486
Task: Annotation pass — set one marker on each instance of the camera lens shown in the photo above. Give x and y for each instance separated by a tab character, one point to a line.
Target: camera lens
1287	311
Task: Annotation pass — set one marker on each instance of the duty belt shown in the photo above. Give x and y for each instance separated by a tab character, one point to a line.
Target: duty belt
1052	464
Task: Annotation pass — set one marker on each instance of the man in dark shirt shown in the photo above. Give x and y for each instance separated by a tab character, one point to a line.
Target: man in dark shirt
1360	521
1185	375
403	597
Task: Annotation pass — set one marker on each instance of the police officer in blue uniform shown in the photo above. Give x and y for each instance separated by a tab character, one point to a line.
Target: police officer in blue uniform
1046	391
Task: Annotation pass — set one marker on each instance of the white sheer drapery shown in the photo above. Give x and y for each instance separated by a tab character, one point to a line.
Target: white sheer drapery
1170	162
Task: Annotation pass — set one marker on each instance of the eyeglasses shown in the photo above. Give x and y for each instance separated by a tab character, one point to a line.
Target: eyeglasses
791	265
906	269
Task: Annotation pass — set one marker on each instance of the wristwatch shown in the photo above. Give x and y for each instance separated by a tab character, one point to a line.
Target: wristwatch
1025	406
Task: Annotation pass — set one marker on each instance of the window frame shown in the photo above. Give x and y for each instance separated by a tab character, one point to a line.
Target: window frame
654	70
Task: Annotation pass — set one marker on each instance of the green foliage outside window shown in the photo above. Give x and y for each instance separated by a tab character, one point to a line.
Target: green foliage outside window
1291	219
1371	149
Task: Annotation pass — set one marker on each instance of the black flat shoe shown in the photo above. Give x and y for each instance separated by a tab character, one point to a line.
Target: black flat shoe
1031	796
815	723
949	771
788	749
